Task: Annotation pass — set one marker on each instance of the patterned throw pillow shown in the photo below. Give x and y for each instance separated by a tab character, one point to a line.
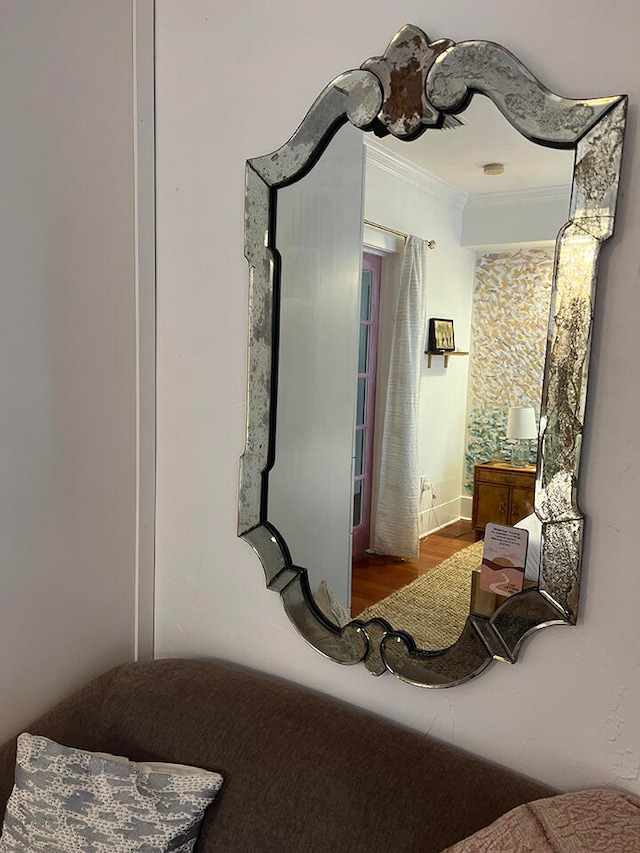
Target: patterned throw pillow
67	800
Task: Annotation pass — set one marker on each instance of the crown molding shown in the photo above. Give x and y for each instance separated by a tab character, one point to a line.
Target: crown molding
396	165
532	195
389	161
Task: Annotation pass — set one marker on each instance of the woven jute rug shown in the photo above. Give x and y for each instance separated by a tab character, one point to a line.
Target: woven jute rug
434	607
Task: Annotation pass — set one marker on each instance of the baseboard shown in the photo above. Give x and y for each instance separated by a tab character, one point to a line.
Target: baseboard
466	507
440	516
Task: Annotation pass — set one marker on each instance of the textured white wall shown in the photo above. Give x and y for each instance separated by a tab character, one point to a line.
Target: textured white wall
67	349
233	82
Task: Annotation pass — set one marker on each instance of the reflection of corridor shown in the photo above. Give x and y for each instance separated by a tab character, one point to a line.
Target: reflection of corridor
374	576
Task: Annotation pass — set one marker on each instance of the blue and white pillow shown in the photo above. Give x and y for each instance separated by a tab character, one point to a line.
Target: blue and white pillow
66	800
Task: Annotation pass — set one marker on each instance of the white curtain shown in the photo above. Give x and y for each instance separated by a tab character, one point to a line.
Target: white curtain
397	517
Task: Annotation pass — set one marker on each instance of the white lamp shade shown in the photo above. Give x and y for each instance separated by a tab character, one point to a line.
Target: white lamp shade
521	423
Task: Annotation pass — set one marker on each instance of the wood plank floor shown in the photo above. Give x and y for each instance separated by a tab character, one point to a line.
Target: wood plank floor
374	577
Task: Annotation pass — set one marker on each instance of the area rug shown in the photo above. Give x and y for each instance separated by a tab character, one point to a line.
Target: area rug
434	607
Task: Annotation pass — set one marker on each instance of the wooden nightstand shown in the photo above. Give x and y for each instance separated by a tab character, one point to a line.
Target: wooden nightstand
501	494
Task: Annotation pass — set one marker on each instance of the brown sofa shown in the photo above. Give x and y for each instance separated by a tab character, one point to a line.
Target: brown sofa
302	772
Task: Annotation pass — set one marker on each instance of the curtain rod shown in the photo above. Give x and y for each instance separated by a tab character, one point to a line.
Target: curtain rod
430	243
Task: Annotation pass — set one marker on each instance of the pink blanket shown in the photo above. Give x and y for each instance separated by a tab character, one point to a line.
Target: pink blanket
584	822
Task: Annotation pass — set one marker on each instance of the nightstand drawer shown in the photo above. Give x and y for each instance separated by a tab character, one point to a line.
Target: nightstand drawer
505	478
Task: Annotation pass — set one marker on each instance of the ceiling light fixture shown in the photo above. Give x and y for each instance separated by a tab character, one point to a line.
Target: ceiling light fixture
493	168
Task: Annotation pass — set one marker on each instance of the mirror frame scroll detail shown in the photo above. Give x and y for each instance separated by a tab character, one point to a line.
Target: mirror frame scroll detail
414	86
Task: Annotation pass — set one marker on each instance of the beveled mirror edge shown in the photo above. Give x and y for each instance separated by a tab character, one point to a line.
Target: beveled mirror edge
358	96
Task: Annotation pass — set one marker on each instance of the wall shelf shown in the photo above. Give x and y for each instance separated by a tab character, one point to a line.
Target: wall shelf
446	355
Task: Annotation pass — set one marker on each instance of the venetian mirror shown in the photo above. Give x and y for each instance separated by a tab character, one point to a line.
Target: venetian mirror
314	256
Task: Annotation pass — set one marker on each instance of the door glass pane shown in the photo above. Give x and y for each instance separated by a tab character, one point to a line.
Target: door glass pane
359	452
365	296
357	503
360	405
364	349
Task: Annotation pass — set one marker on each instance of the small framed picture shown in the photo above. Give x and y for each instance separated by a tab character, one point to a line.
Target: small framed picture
440	335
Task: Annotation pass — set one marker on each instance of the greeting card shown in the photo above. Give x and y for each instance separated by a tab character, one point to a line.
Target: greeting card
504	559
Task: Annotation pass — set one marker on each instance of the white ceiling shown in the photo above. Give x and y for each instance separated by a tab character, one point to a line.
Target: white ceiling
458	155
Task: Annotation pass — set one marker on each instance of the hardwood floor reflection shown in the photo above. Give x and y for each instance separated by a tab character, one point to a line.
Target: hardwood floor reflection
374	577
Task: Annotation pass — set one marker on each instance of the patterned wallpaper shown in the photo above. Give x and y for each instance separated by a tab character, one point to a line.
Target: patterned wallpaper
508	341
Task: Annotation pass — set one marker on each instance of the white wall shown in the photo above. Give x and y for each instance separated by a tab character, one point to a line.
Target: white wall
233	82
67	349
517	219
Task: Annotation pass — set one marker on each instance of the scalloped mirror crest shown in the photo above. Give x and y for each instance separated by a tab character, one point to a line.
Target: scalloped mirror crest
414	86
402	71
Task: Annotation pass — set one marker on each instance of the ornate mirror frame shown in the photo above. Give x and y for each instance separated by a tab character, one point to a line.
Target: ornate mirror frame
413	87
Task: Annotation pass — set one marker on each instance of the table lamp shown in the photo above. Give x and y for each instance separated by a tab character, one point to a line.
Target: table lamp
521	428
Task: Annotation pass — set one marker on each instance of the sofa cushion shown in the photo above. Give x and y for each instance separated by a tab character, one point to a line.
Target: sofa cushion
583	822
67	799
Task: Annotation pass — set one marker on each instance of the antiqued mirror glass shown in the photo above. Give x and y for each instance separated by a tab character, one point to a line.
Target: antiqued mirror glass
352	426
